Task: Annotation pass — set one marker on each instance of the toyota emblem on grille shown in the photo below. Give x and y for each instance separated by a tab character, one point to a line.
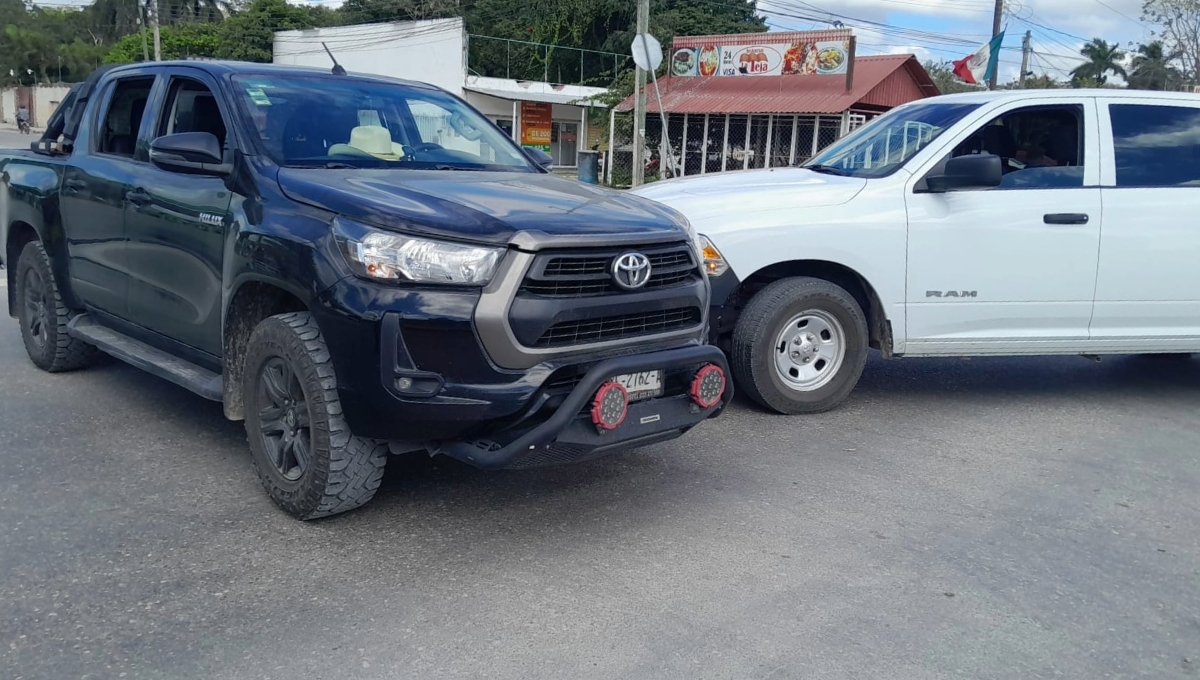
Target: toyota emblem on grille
631	270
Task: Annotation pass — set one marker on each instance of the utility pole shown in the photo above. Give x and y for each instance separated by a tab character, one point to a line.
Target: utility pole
997	17
639	107
142	21
1026	49
153	6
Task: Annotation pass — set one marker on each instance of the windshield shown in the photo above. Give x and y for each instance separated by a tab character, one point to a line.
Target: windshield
314	121
883	145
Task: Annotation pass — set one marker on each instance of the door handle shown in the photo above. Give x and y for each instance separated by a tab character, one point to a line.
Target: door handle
75	185
137	197
1065	218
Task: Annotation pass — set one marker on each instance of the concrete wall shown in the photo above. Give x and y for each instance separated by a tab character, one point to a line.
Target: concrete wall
8	105
431	51
46	98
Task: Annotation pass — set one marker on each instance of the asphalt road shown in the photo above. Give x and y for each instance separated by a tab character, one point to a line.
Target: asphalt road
986	518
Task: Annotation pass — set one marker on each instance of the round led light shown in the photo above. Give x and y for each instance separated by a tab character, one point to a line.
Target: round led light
708	386
610	406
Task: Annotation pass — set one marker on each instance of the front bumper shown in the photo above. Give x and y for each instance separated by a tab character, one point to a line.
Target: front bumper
569	435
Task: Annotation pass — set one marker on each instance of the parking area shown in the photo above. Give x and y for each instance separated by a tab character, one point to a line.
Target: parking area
985	518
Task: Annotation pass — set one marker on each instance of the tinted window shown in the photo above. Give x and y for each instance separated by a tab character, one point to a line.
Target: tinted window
119	127
191	107
1156	146
348	122
1040	147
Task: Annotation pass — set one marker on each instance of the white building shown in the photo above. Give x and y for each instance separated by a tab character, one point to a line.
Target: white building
434	51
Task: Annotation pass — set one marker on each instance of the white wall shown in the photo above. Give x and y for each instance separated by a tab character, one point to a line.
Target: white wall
8	105
431	51
46	98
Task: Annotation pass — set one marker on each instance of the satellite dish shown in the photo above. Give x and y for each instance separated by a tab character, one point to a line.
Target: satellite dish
647	52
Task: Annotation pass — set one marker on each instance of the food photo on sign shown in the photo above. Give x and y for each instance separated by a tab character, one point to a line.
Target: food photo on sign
684	61
787	57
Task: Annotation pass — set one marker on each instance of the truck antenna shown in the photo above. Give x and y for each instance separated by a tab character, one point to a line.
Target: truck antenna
337	68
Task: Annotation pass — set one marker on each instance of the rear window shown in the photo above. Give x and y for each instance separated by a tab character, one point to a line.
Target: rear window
1155	145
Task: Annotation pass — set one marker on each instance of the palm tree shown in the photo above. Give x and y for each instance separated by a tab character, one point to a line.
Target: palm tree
1151	69
1102	59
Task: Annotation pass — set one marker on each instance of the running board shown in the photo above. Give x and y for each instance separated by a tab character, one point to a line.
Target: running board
154	361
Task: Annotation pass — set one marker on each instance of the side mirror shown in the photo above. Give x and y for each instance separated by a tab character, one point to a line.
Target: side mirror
975	171
197	153
543	159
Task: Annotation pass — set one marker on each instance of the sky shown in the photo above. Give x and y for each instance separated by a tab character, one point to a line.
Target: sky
944	30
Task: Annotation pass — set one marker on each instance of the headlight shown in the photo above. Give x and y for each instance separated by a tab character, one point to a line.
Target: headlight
388	256
714	262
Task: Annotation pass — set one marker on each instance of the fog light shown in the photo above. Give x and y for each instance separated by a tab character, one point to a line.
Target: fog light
610	406
708	385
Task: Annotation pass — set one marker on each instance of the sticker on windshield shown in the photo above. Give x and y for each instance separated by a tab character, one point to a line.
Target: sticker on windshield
258	96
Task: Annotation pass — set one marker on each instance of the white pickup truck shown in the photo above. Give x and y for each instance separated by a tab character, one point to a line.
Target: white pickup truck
1002	223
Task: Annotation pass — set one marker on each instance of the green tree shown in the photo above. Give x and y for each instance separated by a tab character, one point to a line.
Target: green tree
1151	69
177	42
1102	59
248	35
1178	24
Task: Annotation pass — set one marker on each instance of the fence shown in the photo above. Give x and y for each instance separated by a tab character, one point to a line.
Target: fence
704	143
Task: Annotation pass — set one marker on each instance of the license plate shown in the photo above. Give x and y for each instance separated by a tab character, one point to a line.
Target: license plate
644	385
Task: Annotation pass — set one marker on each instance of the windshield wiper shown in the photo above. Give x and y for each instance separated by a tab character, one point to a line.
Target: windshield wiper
827	169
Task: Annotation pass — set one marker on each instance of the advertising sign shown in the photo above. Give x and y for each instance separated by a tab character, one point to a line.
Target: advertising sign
826	58
535	124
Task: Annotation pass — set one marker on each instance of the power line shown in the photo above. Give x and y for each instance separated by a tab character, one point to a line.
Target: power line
1114	9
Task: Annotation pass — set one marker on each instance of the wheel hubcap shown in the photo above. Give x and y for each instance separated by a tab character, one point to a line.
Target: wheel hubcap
809	350
35	307
284	419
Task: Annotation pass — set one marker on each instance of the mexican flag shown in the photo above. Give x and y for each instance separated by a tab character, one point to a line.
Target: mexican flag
979	67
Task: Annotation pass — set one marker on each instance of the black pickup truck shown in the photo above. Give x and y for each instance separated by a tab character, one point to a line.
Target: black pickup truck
353	265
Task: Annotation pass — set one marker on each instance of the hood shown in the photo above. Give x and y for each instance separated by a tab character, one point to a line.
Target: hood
484	207
710	196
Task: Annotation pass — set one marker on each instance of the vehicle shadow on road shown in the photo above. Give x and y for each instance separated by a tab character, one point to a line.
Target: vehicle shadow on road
1065	376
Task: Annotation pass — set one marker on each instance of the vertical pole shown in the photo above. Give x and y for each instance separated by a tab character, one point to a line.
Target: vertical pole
142	20
516	123
725	146
683	149
845	123
746	144
997	17
612	144
1025	50
508	59
795	129
639	107
154	26
770	130
816	135
704	148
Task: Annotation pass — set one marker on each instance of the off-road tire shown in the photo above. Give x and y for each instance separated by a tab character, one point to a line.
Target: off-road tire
761	322
344	470
45	334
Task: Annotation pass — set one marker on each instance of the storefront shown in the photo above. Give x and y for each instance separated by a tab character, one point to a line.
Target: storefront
735	102
553	118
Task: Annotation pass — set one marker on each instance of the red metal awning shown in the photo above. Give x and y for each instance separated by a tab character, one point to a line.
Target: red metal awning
879	81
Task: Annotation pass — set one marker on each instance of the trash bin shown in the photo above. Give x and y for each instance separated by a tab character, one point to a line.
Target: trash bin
589	166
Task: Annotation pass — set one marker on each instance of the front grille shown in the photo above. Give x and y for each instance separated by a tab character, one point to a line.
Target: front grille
608	328
587	274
